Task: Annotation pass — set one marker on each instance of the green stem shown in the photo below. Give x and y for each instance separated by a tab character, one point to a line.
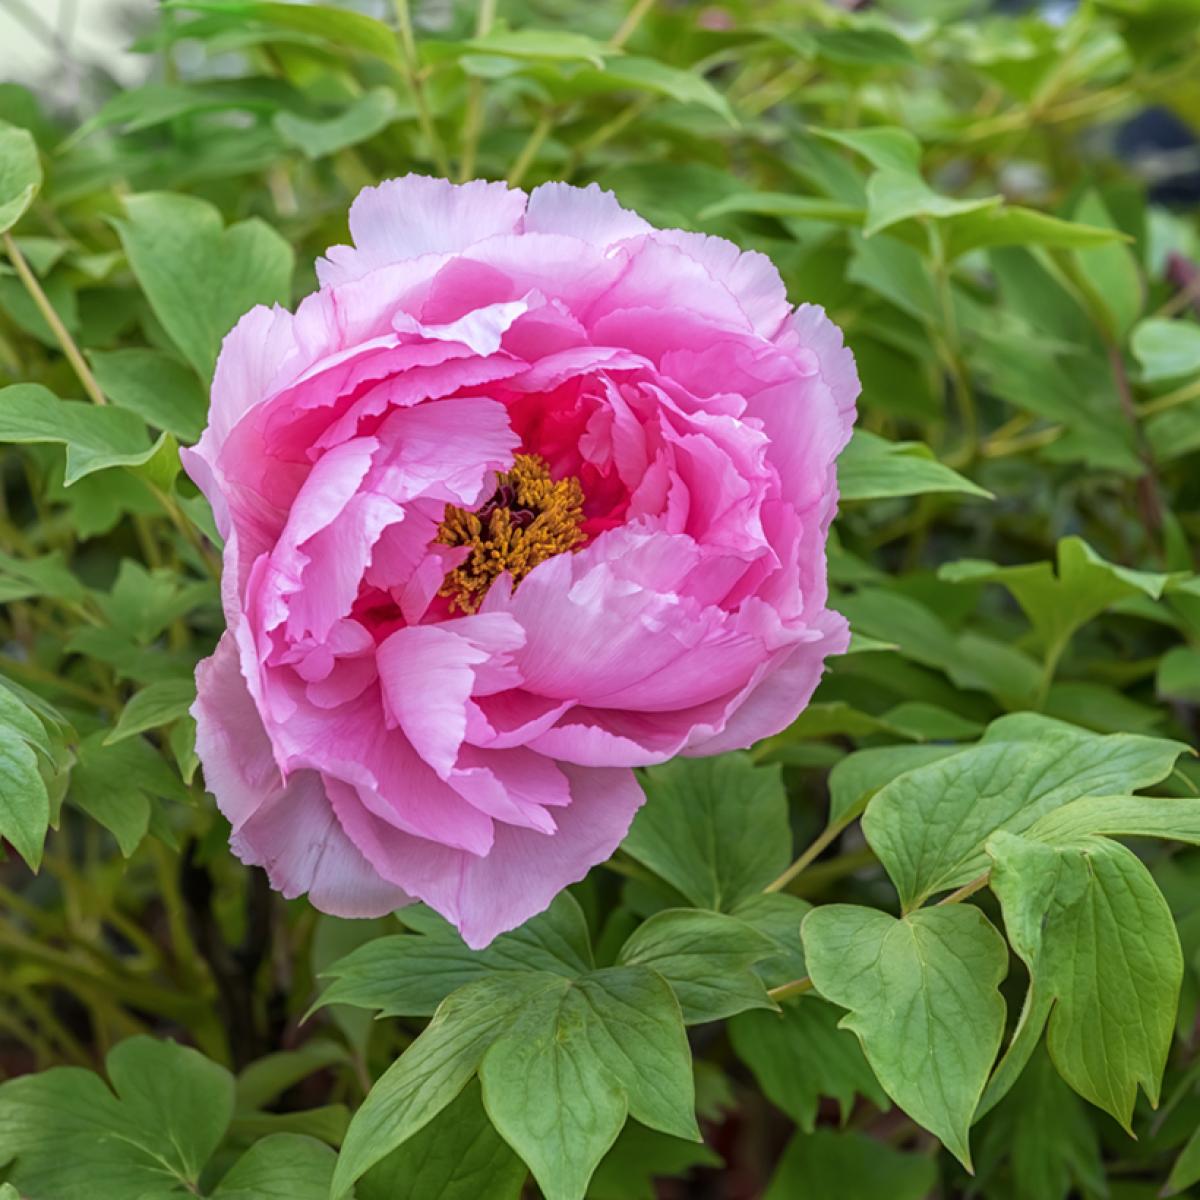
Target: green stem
821	843
797	987
473	112
412	76
64	339
530	150
629	26
968	889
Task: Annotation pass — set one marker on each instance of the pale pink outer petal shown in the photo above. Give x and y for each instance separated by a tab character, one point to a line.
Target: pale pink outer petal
525	870
252	356
751	277
416	215
287	828
586	213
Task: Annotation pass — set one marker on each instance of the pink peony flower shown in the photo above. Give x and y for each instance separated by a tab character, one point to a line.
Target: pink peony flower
527	495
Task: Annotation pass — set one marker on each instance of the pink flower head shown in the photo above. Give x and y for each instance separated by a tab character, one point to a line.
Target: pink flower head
527	495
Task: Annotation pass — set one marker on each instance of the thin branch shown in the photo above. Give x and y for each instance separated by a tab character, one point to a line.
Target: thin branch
34	288
629	26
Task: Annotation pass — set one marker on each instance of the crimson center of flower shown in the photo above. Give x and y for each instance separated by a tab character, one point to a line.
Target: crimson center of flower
529	519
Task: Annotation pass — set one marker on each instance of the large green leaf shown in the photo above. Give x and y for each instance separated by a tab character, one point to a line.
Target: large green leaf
156	386
706	957
436	1067
72	1139
715	829
457	1156
1099	940
282	1166
560	1080
411	974
198	276
930	825
1042	1131
335	26
1059	604
872	468
923	999
96	438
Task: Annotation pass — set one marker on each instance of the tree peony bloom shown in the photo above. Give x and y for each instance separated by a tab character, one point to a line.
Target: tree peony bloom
527	495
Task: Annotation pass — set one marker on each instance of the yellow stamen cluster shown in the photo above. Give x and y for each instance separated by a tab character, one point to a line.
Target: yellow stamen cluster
530	518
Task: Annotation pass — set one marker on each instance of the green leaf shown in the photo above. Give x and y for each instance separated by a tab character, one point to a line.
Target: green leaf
784	204
47	575
706	957
553	45
96	438
1098	938
156	705
410	974
1166	349
862	48
885	147
929	826
894	196
24	800
337	26
1178	675
777	916
20	173
716	829
850	1166
121	785
924	1002
72	1139
800	1054
871	468
857	778
266	1078
1121	816
160	703
1043	1129
559	1081
660	78
457	1156
435	1068
156	386
1185	1171
1011	225
283	1166
639	1157
373	111
1059	604
1109	274
199	277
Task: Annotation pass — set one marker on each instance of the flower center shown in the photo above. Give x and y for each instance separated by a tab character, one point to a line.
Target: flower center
529	519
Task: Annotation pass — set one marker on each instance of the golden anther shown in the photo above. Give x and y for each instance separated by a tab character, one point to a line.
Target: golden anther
529	519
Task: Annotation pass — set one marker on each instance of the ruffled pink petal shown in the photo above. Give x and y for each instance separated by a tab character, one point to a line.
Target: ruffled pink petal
445	450
416	215
751	278
427	676
488	895
296	838
586	213
287	828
